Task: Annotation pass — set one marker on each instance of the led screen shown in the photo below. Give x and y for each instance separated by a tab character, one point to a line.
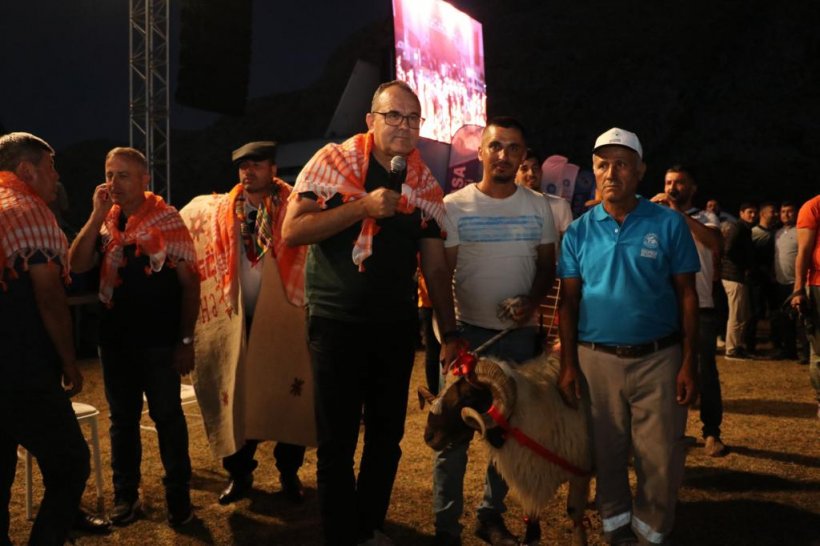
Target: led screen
440	53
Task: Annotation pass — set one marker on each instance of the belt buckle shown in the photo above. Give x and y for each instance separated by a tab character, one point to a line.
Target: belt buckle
623	351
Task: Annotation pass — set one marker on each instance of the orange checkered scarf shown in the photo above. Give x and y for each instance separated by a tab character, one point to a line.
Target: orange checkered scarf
291	260
159	233
27	226
342	168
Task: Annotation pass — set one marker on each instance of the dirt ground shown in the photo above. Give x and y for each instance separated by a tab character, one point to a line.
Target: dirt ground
765	492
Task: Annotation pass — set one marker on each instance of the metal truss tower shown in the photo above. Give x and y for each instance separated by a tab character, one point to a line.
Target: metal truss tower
149	127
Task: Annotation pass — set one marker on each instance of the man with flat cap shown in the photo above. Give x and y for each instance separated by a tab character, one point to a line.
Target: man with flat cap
628	324
244	268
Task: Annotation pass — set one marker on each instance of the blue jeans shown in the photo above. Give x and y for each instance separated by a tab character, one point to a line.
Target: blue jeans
450	463
128	372
711	402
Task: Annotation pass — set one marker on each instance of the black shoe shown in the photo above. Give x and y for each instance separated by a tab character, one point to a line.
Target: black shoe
178	501
623	536
738	354
125	511
493	531
292	486
180	516
89	523
446	539
238	488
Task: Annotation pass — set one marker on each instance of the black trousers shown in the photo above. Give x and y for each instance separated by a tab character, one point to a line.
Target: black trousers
711	401
46	426
360	370
289	459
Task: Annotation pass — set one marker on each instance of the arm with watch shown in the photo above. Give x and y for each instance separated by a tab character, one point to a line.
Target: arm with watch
184	350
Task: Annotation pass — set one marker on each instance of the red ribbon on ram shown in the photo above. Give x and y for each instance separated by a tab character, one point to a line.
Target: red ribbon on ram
532	445
465	362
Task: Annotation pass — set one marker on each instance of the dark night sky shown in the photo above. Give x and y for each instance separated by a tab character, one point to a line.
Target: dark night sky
731	87
65	63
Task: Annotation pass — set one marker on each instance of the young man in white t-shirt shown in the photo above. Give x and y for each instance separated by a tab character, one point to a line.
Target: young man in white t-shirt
501	245
679	189
529	175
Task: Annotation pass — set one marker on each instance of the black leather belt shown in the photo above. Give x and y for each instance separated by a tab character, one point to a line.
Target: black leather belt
634	351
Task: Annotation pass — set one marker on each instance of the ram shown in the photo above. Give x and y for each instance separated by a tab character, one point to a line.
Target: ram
535	441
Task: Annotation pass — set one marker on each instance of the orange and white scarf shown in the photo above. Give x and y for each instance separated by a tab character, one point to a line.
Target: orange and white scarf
342	168
27	227
291	260
159	233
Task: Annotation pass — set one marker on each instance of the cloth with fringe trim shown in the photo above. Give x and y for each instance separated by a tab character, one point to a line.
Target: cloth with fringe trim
159	233
291	260
27	227
342	168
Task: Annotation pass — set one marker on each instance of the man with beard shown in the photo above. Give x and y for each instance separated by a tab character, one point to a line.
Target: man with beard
501	244
629	323
679	189
241	229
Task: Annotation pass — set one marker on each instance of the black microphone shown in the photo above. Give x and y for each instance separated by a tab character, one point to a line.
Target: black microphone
398	172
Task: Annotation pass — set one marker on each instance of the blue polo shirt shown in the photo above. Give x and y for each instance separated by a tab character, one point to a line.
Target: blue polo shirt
627	294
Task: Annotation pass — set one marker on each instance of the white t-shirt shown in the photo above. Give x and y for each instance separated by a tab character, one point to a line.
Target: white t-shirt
705	277
497	241
561	212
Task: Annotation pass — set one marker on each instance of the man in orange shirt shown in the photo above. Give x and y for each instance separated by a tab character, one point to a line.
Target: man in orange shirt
806	295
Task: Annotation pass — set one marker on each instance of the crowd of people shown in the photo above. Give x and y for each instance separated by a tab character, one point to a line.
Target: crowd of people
335	257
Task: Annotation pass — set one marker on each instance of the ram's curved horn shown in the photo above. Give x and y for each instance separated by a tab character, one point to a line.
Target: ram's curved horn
501	385
477	421
425	396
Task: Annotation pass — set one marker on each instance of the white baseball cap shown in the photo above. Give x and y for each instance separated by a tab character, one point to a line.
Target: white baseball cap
619	137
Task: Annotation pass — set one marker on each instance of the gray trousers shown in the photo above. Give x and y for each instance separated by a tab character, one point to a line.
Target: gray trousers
634	411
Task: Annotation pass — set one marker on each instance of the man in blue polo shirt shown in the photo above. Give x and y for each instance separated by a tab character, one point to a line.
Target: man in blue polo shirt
628	324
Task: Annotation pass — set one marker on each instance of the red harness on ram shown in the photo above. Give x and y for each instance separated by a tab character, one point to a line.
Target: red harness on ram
463	366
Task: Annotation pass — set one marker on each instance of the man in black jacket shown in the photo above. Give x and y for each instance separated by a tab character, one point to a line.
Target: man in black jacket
738	256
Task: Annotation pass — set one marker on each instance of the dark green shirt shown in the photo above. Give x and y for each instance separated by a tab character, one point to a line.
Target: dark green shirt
386	290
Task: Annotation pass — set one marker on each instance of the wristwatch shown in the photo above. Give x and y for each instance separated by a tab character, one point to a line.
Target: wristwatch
187	340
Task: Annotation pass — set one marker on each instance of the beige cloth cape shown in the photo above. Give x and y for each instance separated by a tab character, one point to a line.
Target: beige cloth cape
256	388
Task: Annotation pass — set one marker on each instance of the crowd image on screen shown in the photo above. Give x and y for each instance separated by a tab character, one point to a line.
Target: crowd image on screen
451	95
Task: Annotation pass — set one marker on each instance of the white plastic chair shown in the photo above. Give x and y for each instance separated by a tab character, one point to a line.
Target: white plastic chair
86	413
187	395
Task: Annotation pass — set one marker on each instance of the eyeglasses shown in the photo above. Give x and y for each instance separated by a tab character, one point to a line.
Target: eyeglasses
394	119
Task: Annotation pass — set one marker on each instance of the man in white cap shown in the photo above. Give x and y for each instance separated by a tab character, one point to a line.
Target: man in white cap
628	323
